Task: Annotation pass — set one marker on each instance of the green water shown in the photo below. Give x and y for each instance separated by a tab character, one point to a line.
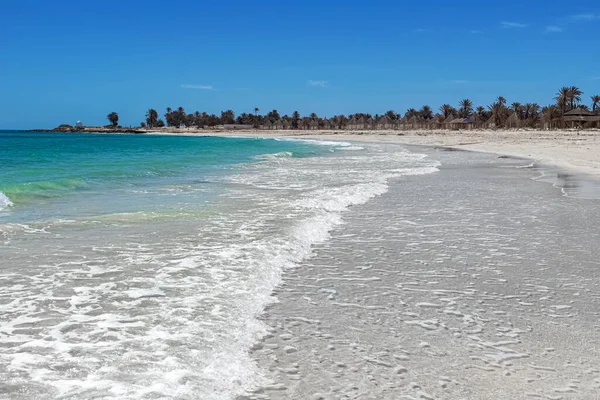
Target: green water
46	175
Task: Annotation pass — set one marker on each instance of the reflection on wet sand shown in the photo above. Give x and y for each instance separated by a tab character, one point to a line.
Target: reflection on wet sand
579	186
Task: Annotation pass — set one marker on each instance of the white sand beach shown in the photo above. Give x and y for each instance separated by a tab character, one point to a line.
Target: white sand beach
471	283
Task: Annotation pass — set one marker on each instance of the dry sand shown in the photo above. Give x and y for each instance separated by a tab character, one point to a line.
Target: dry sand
577	151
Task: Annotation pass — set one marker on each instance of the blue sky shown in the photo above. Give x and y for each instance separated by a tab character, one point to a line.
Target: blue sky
64	61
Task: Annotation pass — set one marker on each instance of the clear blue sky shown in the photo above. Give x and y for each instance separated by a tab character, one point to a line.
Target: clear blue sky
63	61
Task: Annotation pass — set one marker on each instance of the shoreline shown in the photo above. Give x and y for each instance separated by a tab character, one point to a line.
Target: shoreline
571	150
412	297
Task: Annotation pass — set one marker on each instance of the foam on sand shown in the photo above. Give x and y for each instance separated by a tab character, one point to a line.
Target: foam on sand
4	201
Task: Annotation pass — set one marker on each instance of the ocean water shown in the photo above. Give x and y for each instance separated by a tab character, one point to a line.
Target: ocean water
138	266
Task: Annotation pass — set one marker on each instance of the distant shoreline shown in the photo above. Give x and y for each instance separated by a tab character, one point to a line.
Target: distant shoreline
574	150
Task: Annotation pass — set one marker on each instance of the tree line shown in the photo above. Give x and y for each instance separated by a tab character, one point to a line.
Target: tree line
566	99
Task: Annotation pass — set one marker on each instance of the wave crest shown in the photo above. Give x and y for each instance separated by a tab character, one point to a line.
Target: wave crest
275	156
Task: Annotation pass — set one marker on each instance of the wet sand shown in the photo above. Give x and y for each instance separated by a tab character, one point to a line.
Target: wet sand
476	282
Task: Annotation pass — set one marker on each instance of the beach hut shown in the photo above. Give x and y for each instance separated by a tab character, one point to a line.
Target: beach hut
384	122
461	123
340	123
426	123
302	124
454	124
402	123
447	122
579	118
513	121
477	122
267	125
413	122
313	125
360	123
335	123
278	125
436	122
490	123
352	124
286	124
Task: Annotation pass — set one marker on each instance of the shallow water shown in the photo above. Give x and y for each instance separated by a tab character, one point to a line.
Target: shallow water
147	279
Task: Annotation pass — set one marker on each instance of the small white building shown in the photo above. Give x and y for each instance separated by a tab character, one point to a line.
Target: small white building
79	124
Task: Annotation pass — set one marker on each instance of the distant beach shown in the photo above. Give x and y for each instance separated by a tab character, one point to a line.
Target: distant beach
575	150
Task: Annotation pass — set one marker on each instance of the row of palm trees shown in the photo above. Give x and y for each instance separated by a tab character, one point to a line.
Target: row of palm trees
567	98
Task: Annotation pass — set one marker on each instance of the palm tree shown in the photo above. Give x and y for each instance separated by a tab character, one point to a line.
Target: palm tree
481	113
425	112
256	110
517	108
499	111
562	98
466	108
595	102
227	117
151	118
552	111
391	114
180	117
530	114
295	119
411	112
113	118
273	116
447	110
574	96
531	110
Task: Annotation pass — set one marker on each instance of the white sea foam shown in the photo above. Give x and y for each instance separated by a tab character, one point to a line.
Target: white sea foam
169	308
530	165
318	142
282	154
353	148
4	201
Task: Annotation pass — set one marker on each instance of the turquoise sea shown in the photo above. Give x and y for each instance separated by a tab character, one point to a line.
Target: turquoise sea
52	175
137	266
